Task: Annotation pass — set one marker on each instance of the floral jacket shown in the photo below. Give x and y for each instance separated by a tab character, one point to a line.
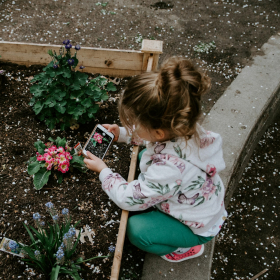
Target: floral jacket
179	179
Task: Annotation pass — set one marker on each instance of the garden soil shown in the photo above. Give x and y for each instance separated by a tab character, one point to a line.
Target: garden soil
238	28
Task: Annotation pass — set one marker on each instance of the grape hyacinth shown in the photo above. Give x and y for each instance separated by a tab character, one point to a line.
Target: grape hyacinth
55	218
36	216
60	255
13	245
112	249
65	211
37	254
49	205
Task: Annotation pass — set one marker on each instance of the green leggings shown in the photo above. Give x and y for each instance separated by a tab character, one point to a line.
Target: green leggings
158	233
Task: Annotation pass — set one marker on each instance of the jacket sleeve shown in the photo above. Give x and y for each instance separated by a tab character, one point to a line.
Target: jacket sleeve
157	184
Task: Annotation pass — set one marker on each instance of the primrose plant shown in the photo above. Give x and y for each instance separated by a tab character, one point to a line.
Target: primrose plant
54	156
62	95
53	247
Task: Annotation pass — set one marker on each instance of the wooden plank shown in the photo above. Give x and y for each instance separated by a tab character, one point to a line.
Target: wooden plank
123	222
152	46
93	59
115	271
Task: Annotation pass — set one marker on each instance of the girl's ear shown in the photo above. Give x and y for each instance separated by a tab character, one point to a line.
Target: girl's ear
160	134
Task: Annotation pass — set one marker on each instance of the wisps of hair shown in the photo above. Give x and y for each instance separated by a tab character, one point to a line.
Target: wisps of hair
167	99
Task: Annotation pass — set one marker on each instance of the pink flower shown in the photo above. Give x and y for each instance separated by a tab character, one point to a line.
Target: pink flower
60	150
63	167
98	138
68	156
48	157
165	207
211	170
206	141
154	200
53	150
179	182
194	224
40	158
62	158
49	165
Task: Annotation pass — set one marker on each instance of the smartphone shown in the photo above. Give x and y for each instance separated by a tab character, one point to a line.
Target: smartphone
99	142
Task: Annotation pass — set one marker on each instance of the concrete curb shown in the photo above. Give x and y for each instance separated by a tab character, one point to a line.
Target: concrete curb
241	116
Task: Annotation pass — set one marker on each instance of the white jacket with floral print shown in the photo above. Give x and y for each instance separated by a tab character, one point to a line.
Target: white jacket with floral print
179	179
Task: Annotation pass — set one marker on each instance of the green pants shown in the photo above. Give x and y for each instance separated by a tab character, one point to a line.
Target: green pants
158	233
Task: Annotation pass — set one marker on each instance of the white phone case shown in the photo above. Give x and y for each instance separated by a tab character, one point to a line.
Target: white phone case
103	135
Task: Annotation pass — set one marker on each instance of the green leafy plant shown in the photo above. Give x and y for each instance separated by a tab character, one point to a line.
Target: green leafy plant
61	94
54	156
53	247
205	47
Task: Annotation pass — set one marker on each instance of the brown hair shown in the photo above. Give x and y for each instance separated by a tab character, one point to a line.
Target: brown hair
168	99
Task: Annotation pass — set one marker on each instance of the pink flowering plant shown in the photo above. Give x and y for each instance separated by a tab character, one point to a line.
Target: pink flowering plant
98	138
55	156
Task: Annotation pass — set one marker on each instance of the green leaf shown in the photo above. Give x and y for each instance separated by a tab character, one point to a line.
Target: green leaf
80	77
32	159
50	123
51	139
61	143
67	73
51	72
77	159
102	81
36	90
50	102
33	167
104	96
86	102
41	178
40	146
55	272
38	107
92	110
76	94
59	177
111	87
60	106
79	110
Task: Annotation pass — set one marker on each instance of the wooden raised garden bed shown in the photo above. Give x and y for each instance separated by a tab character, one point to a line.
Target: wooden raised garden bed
111	62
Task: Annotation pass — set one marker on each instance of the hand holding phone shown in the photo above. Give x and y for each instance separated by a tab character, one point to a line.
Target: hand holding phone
99	142
114	128
94	163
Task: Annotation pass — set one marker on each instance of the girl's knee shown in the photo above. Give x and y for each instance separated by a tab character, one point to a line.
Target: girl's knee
136	231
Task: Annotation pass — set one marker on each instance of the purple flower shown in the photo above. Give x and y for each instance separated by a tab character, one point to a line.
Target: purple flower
66	42
55	66
77	47
82	67
37	253
49	205
59	254
71	61
112	249
55	217
13	245
65	211
68	46
36	216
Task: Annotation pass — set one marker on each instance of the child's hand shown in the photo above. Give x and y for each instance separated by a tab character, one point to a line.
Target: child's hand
114	129
94	163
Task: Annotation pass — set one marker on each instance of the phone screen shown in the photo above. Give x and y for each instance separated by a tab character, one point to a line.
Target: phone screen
99	143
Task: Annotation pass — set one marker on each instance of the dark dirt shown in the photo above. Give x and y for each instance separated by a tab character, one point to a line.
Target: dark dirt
239	29
249	242
80	193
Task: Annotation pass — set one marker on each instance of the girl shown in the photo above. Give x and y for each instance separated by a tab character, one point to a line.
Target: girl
179	168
